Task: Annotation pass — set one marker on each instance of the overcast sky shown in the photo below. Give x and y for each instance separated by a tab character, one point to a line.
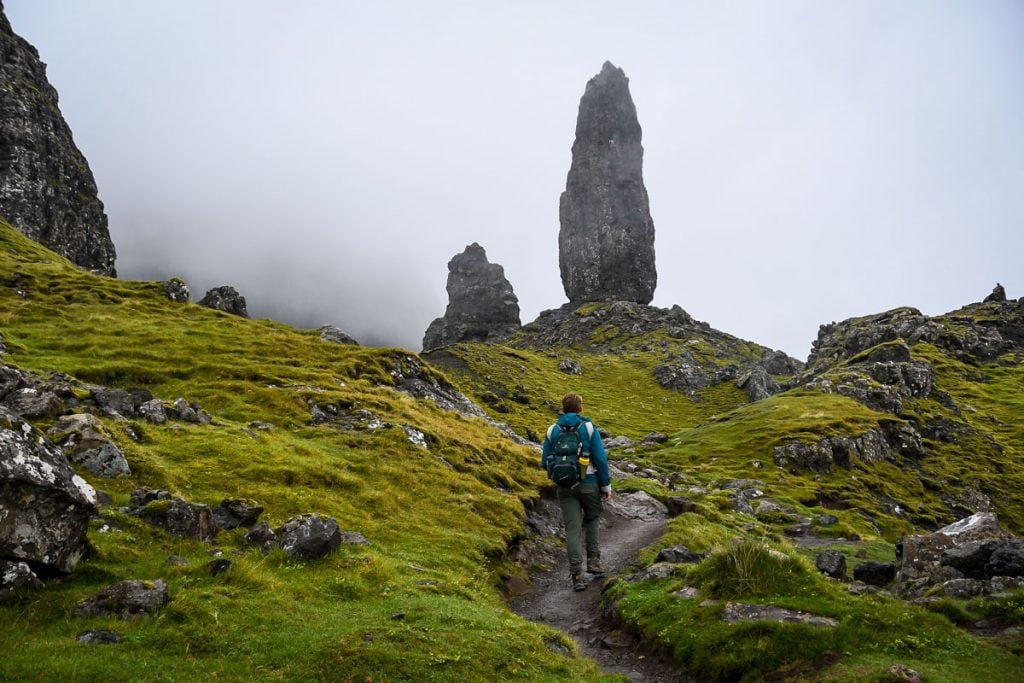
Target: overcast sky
806	161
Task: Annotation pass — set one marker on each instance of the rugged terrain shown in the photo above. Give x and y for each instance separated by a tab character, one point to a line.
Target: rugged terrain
899	424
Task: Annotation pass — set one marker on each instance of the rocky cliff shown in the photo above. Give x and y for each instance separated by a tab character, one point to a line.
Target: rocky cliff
606	241
481	303
46	188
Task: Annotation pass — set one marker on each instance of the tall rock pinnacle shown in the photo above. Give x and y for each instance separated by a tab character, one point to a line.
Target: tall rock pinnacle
481	303
606	241
47	191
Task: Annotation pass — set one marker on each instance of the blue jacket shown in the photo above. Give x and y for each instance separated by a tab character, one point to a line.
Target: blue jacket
597	471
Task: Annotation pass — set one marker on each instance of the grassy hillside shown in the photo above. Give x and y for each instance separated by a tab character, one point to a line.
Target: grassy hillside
436	519
421	603
719	435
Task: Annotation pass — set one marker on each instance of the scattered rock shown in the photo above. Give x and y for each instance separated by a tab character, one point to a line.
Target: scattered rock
153	411
998	294
177	561
902	672
677	505
481	303
655	437
736	612
84	440
188	412
98	637
637	505
262	536
658	570
33	404
218	567
826	520
115	403
768	510
177	290
330	333
225	299
16	579
879	574
570	367
232	513
619	442
353	538
964	588
51	533
309	537
107	461
688	593
679	554
179	517
606	240
416	437
831	563
125	599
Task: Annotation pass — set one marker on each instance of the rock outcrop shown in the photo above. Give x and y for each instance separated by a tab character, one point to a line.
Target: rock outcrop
225	299
606	241
47	191
481	303
974	556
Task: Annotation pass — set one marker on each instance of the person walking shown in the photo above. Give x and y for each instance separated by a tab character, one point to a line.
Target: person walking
575	459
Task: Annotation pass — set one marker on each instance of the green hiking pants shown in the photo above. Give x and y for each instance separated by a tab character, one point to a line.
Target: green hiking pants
581	513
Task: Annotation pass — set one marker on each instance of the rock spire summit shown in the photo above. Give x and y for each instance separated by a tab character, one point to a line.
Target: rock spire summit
606	241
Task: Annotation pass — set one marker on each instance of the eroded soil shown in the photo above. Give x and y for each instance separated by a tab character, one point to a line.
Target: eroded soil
551	600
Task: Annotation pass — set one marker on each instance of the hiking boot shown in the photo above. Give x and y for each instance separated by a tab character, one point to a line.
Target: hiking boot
594	566
579	581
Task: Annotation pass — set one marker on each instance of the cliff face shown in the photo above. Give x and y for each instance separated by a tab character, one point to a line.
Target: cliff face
606	241
47	191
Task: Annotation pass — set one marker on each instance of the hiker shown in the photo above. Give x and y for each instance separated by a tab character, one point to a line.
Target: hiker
575	460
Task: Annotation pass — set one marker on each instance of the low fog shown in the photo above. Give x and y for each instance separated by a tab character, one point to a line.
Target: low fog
805	161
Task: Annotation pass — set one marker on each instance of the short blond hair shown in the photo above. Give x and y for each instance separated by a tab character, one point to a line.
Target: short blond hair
572	403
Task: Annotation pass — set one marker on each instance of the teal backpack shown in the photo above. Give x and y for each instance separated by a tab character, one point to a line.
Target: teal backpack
566	449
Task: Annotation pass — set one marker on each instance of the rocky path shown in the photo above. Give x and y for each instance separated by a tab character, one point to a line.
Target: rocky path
551	600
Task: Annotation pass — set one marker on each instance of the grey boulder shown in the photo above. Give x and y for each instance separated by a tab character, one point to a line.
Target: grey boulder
309	537
126	599
330	333
831	563
50	532
226	299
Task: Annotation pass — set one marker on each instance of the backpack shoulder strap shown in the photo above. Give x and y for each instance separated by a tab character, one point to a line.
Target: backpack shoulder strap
551	431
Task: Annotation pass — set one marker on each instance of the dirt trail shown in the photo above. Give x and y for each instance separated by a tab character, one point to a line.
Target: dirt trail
551	600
